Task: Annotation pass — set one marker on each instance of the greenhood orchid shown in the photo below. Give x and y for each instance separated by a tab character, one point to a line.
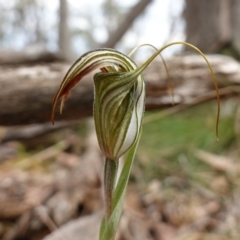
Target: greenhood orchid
118	109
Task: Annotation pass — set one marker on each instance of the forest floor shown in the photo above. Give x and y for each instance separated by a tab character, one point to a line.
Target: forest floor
184	184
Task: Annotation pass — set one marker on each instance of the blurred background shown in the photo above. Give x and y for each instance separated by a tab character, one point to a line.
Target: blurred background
77	26
184	183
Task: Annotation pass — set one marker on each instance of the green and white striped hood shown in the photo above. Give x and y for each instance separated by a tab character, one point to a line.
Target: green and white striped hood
119	98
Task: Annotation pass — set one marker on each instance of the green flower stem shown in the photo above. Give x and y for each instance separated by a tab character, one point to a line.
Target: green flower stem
110	174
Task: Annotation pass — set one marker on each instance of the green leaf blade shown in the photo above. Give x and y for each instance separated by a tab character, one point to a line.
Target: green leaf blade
109	229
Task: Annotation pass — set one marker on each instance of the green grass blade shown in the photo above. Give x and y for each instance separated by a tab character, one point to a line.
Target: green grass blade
108	230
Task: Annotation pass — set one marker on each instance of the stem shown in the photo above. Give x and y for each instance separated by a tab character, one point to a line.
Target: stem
110	173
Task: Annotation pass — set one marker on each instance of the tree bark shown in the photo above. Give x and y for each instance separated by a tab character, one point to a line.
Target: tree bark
236	24
63	31
209	23
27	91
30	55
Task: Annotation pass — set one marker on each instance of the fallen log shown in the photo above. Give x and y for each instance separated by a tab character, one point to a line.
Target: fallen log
30	55
27	90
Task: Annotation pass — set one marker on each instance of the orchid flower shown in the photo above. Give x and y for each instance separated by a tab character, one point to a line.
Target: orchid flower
118	110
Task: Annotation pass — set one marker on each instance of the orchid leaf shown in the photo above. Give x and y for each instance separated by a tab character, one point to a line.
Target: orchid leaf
109	229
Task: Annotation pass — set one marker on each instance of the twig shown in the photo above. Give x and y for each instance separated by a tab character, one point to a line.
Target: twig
220	163
43	155
45	218
192	101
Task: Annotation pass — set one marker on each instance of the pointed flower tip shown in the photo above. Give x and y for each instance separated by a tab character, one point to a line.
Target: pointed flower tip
53	111
54	104
60	93
52	116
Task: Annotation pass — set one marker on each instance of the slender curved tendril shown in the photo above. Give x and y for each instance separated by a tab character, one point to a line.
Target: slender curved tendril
170	84
150	59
